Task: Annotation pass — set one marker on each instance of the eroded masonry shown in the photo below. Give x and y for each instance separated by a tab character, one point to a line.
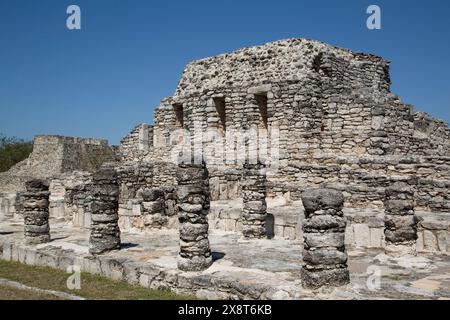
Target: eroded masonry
268	124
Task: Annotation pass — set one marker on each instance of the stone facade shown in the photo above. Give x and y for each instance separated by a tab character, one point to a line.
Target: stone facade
77	198
135	178
137	143
330	121
337	122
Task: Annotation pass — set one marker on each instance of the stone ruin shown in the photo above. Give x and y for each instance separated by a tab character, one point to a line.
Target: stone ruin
300	141
324	233
254	211
400	220
105	232
193	205
35	202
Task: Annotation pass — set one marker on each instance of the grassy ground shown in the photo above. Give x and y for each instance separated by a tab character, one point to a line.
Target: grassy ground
92	286
8	293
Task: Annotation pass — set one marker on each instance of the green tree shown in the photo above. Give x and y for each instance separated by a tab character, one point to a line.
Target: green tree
12	151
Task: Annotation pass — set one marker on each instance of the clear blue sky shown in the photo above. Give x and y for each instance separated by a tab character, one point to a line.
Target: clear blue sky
109	76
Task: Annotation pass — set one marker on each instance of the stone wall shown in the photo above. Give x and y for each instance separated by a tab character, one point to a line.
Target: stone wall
133	179
57	199
363	179
7	204
137	143
365	227
77	198
328	110
57	159
137	177
292	60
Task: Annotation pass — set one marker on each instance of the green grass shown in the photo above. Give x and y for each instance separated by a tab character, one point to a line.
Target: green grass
92	286
8	293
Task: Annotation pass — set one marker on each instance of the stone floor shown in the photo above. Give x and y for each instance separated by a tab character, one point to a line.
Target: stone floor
262	269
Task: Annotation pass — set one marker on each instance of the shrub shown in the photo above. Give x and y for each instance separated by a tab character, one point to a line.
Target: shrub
12	151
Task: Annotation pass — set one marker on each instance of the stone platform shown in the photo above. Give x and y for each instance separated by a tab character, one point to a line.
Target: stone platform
256	269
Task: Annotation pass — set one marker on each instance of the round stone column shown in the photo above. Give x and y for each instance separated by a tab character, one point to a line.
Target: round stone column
152	208
324	256
105	232
193	207
254	211
400	220
34	206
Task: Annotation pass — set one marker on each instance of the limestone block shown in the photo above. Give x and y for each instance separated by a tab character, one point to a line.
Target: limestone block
136	210
30	257
361	235
376	237
230	225
443	239
323	240
233	189
279	231
349	236
290	233
430	241
420	246
333	277
223	191
7	252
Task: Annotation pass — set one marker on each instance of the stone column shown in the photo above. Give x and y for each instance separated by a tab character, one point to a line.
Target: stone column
34	206
400	221
152	207
193	206
324	256
254	212
105	232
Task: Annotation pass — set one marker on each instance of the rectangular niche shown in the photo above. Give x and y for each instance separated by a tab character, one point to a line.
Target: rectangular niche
261	101
221	111
179	114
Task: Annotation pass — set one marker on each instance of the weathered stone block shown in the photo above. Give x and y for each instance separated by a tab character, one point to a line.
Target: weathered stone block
322	199
430	241
361	235
316	279
323	240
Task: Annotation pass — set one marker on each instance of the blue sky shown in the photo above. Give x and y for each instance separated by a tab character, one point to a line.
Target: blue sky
104	79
